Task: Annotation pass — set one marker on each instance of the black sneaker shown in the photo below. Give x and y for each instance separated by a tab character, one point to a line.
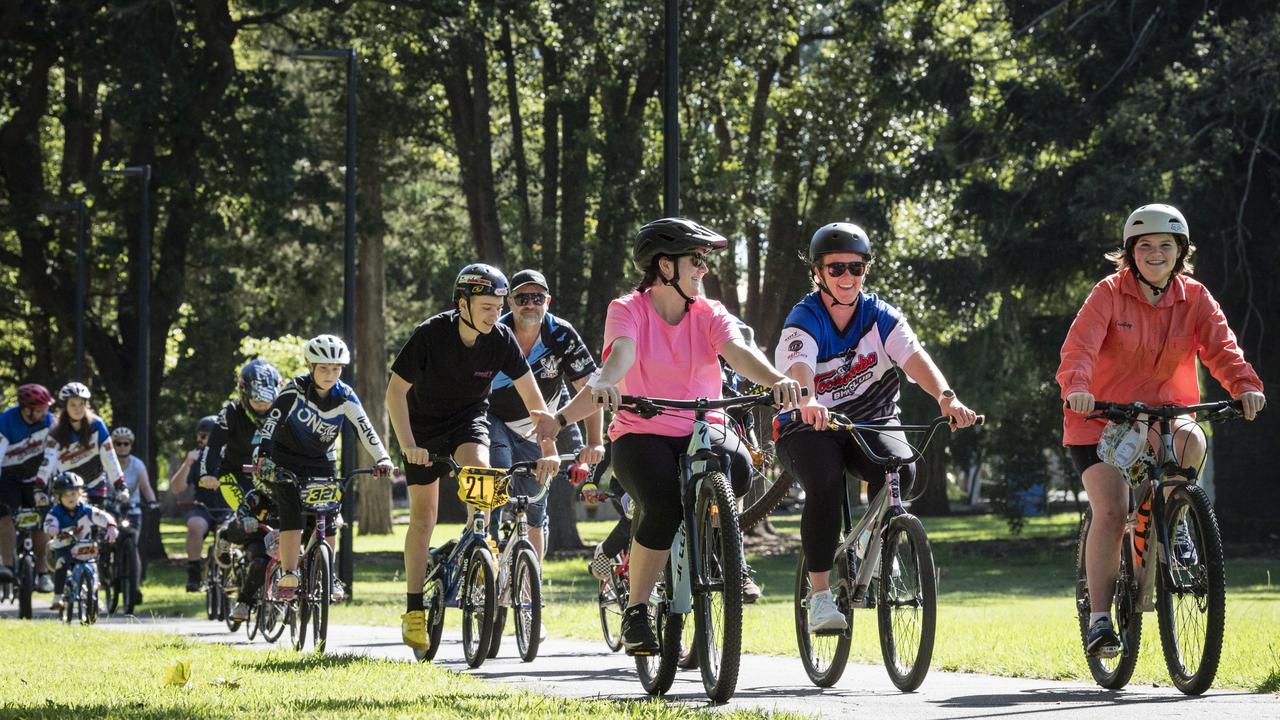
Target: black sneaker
637	632
193	577
1102	640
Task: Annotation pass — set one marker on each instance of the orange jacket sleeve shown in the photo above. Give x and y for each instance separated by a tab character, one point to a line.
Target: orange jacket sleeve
1220	352
1080	349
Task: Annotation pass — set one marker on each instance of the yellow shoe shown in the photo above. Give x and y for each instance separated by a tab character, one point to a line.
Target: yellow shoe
413	630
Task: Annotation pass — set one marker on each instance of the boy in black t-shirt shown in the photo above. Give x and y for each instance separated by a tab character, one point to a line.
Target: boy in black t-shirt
438	397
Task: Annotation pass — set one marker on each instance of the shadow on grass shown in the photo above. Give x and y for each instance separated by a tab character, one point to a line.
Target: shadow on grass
303	662
1271	684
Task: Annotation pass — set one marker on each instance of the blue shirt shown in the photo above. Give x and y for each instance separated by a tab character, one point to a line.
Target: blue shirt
21	445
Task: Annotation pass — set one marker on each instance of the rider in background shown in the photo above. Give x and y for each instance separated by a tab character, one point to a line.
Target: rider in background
662	341
846	346
139	487
299	436
1136	339
72	520
24	428
248	528
209	507
556	354
231	445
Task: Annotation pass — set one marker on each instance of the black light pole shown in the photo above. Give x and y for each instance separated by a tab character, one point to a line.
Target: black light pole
141	441
350	501
670	113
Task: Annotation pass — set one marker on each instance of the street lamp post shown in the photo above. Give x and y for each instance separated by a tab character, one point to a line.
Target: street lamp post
350	501
142	440
670	112
82	275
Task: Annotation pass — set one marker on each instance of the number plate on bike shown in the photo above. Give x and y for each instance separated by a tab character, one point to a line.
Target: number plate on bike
322	494
85	551
483	487
28	520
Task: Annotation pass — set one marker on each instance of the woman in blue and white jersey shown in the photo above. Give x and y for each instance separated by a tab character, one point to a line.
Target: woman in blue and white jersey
81	444
24	428
846	346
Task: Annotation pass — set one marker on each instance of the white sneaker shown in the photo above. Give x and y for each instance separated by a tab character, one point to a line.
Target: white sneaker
44	583
823	614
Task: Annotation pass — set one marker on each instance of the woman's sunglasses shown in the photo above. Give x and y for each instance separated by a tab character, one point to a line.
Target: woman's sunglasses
123	443
836	269
525	298
697	261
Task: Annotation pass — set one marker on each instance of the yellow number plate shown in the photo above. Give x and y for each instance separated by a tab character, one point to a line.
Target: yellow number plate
322	493
85	551
28	520
483	487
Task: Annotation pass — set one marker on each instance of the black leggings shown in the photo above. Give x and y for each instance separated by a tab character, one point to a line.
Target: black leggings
648	465
818	459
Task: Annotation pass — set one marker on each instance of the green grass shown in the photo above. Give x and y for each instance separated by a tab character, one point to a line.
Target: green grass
99	673
1005	606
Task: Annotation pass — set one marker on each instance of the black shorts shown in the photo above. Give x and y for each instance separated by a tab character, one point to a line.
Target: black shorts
444	442
213	518
14	495
1084	457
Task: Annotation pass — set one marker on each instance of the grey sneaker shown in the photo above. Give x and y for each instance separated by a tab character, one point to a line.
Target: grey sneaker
824	616
240	612
44	583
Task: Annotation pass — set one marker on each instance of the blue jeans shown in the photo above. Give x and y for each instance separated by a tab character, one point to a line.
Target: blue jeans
507	447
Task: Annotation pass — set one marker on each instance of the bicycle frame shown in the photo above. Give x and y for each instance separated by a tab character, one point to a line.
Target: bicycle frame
519	531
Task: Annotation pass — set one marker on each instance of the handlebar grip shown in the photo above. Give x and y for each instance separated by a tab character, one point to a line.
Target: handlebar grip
980	420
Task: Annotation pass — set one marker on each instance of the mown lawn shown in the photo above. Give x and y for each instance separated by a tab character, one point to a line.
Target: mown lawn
60	672
1005	604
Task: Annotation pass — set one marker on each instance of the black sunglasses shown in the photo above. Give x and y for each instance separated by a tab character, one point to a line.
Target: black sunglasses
525	298
698	261
123	443
836	269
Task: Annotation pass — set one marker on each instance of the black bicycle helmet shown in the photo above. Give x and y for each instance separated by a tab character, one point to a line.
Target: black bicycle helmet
480	279
259	380
64	481
839	237
206	424
673	237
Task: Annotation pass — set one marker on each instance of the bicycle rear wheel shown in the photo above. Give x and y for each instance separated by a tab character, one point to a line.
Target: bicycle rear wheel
907	602
126	571
499	627
479	606
824	656
717	605
762	501
1111	673
1191	603
657	672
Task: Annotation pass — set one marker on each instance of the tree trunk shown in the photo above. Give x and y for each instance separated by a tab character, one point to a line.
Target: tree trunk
750	197
784	221
517	139
575	123
374	512
466	84
550	164
560	514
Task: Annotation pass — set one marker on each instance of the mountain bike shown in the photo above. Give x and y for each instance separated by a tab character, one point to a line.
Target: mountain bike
611	600
519	581
1189	583
883	562
704	574
118	565
770	484
26	521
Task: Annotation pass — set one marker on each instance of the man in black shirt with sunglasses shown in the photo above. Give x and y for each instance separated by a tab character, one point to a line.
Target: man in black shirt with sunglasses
557	355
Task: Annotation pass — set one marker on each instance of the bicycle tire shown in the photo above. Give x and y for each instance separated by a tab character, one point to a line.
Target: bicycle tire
907	600
688	647
824	656
1204	584
88	608
433	603
253	623
719	640
107	566
612	600
212	607
499	627
1111	673
318	591
479	606
126	566
271	613
758	509
526	602
657	672
301	605
26	571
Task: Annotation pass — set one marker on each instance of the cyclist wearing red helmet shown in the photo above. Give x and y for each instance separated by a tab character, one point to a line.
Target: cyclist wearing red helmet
23	431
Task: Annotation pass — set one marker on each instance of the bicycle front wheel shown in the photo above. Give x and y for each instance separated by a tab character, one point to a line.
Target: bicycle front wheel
319	587
479	606
26	584
127	572
907	602
88	608
526	603
212	588
1191	600
1111	673
301	605
271	614
717	604
657	672
824	656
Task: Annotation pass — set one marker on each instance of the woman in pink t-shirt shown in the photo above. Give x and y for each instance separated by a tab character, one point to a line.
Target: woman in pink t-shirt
662	341
1136	339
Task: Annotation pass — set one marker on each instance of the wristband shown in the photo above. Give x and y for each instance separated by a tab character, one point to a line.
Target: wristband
560	419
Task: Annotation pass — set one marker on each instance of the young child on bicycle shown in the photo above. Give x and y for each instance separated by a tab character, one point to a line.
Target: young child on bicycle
846	346
1136	339
298	438
72	519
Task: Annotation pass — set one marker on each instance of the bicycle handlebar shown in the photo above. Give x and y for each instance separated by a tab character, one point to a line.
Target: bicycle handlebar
648	407
1128	412
841	422
525	467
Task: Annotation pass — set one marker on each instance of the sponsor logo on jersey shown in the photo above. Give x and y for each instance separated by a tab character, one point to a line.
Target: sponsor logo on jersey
846	377
486	374
550	365
579	365
1124	325
318	426
796	345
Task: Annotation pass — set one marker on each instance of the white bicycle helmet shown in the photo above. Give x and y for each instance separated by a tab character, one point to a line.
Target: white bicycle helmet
74	389
123	433
1156	218
328	349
